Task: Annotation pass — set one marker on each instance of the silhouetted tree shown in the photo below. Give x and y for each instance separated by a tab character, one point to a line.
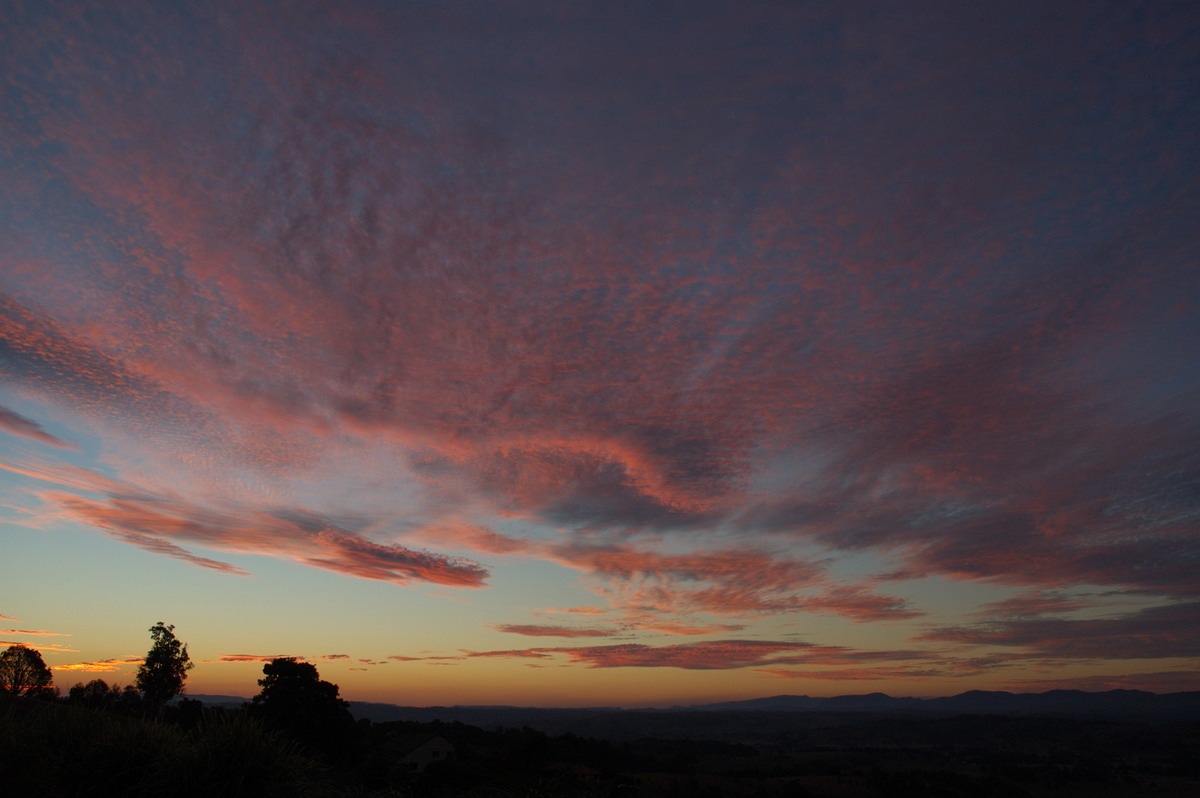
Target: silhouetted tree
130	699
93	694
161	676
98	694
23	672
295	699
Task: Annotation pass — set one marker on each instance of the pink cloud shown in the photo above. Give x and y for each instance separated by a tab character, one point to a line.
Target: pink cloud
16	424
707	655
718	654
70	476
147	522
158	546
649	622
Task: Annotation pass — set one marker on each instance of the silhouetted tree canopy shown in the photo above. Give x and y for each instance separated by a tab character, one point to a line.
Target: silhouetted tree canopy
161	676
295	699
99	694
94	693
23	672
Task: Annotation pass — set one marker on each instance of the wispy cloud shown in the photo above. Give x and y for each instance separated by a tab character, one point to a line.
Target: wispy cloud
46	647
863	674
545	630
148	521
100	666
706	655
16	424
1033	603
1170	630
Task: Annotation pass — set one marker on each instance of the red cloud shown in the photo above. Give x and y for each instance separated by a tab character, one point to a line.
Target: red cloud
712	655
650	622
643	582
707	655
718	654
535	630
860	604
724	582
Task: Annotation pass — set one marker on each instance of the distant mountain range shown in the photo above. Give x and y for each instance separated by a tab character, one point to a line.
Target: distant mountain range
1133	705
1054	702
737	719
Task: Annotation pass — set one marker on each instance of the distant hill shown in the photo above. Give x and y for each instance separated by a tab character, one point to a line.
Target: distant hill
217	700
1112	703
720	720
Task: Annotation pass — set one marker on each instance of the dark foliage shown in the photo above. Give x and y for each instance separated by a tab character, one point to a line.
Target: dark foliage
296	701
72	749
62	749
98	694
23	672
161	676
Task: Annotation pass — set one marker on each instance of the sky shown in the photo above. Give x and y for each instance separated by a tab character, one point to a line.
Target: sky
589	353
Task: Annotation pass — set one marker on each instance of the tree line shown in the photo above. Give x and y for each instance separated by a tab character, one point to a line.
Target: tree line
293	698
160	677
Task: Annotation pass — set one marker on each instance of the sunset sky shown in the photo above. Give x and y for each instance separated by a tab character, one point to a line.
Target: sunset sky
579	353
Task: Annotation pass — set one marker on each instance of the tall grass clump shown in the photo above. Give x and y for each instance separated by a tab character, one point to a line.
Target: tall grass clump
231	754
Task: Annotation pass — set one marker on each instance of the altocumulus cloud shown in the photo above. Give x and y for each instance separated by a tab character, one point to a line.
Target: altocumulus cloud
681	314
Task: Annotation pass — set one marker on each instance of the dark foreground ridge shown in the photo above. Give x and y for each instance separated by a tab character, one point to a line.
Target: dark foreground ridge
55	748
